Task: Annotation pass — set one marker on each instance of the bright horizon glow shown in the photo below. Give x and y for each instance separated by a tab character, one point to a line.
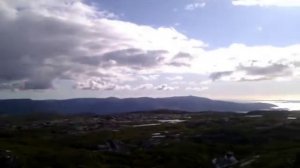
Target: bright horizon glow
285	104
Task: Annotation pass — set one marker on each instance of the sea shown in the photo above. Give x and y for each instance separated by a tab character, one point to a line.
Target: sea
284	104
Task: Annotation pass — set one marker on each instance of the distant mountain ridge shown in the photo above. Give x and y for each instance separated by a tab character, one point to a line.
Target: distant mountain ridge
118	105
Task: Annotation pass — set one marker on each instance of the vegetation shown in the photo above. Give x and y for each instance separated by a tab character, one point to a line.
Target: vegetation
257	139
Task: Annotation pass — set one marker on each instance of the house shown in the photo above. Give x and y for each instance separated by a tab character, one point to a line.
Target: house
226	161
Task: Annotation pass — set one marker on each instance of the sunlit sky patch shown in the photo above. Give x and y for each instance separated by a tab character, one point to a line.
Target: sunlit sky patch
223	49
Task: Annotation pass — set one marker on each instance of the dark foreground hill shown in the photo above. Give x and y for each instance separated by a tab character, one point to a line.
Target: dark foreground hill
116	105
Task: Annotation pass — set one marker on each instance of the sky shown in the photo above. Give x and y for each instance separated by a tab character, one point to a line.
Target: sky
221	49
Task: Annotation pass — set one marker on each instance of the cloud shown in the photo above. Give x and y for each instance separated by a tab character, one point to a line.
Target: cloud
135	57
197	89
181	59
175	78
255	73
195	5
146	86
68	39
218	75
50	40
149	77
101	84
131	57
275	69
161	87
165	87
239	62
183	55
278	3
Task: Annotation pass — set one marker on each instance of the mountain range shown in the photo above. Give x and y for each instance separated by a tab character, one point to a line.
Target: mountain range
118	105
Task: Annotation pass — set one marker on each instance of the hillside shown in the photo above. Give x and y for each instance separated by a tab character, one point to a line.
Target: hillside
117	105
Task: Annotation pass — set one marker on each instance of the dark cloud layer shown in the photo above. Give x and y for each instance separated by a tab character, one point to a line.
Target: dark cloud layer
181	59
273	70
135	57
218	75
256	73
